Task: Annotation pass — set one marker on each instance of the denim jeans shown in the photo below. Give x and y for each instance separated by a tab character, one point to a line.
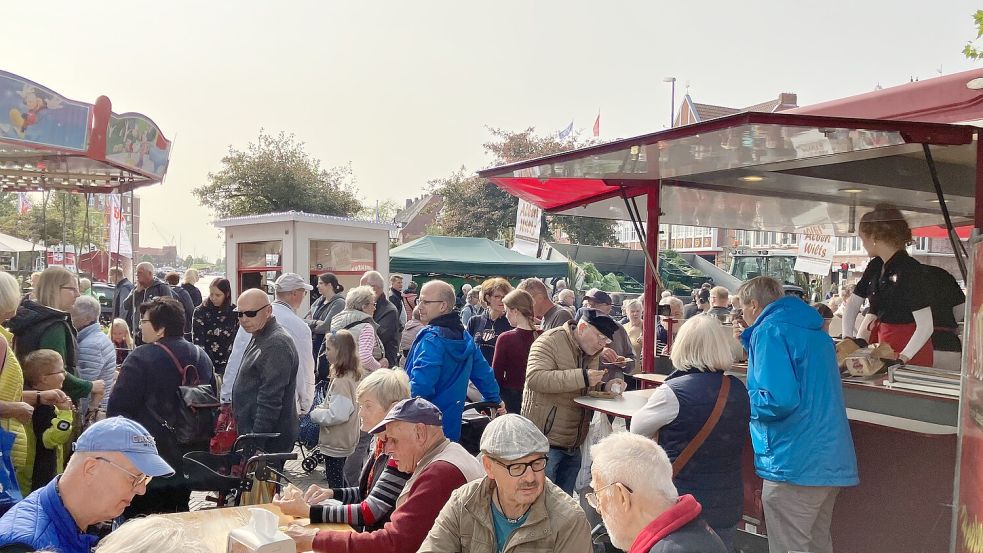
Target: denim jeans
562	467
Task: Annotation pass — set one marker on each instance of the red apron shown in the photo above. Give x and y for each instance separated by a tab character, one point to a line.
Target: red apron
898	335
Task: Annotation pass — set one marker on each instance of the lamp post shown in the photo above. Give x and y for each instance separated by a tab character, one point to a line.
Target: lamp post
672	103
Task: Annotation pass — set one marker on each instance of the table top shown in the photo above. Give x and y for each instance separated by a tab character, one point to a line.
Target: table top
899	423
623	406
213	525
650	377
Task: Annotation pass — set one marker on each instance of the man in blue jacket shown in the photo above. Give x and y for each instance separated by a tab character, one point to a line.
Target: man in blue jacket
444	357
802	444
114	461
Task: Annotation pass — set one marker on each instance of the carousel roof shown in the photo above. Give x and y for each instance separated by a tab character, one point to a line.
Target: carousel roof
49	142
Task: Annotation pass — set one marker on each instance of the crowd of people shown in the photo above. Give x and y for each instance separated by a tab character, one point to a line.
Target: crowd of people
395	366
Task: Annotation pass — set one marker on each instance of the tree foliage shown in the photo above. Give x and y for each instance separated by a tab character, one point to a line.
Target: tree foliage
475	207
970	50
56	217
275	174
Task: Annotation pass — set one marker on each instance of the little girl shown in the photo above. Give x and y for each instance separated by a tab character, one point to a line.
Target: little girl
338	415
122	340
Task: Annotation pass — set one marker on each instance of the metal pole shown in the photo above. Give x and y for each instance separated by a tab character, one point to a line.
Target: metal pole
652	291
672	105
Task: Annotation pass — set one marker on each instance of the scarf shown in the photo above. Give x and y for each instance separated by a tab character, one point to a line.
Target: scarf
682	513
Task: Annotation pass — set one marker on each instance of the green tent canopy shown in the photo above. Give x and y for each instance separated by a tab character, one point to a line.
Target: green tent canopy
448	255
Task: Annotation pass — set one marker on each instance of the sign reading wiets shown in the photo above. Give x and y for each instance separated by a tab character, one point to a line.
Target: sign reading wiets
816	250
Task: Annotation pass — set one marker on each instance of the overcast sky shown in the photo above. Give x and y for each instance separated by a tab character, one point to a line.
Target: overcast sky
403	90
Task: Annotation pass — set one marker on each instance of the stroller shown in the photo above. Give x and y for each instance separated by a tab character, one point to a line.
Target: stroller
309	433
231	475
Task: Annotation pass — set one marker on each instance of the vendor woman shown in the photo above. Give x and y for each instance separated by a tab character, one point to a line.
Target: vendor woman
898	289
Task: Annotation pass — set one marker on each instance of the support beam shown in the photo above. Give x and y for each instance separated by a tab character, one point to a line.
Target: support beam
652	291
978	224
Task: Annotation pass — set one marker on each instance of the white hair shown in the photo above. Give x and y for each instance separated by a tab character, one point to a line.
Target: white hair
636	462
85	309
566	292
762	289
374	278
358	297
10	295
675	305
146	265
631	304
703	343
154	533
666	293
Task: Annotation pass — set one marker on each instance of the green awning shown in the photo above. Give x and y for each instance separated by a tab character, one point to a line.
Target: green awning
447	255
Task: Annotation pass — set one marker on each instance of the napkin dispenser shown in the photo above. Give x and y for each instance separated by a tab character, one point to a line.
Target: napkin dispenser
261	535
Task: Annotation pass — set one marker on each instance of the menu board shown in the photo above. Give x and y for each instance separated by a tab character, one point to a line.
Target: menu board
968	514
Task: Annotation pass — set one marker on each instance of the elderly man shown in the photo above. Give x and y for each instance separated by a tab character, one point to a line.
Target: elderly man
385	316
543	307
444	357
634	494
414	439
802	444
563	365
719	302
114	461
620	342
513	504
148	287
122	290
566	299
473	306
263	395
96	353
291	289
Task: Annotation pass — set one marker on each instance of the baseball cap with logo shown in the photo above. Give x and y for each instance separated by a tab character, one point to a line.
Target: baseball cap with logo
127	437
416	410
288	282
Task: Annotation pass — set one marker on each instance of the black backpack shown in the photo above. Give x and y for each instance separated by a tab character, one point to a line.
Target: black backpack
194	421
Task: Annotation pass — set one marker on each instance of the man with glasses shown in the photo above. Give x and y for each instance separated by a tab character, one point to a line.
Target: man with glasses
513	505
263	395
444	358
641	509
114	461
563	365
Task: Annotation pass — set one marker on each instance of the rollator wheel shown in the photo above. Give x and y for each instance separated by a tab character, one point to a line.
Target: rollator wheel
309	464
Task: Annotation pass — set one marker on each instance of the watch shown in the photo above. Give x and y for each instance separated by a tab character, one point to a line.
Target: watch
38	397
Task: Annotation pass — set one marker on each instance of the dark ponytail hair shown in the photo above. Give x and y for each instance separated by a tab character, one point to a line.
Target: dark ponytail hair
329	278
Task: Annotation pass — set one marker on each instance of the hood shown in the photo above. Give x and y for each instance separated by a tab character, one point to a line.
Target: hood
787	310
349	316
30	313
458	344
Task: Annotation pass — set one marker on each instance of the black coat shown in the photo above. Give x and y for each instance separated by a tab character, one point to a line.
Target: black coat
122	291
189	308
131	305
389	329
194	292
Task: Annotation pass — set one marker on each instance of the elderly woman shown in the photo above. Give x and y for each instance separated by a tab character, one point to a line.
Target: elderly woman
357	319
97	355
486	328
190	278
380	482
43	323
472	307
147	392
677	411
633	308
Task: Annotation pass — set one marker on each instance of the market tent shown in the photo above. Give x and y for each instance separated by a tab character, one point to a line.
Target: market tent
10	243
447	255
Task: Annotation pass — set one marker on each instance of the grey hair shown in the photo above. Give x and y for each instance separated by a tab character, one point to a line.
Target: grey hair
566	292
85	309
153	533
359	297
632	304
9	293
474	292
146	265
719	292
374	278
85	284
762	289
675	305
534	287
636	462
704	344
387	385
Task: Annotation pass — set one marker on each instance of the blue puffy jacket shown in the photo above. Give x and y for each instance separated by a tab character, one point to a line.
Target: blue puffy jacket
42	522
441	361
799	427
97	360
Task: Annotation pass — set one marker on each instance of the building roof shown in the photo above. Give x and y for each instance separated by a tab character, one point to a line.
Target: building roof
706	112
413	210
300	216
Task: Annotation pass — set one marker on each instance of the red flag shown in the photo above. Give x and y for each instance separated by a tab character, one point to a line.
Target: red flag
597	125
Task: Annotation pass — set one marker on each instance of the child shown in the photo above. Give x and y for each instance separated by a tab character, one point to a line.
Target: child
51	425
119	333
338	415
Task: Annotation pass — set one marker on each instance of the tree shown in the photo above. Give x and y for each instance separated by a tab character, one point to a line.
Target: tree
384	212
970	50
475	207
275	174
189	261
60	216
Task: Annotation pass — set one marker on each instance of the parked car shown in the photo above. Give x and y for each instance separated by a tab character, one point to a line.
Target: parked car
104	293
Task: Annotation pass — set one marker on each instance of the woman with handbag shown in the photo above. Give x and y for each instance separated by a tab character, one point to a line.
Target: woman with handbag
700	417
338	414
147	391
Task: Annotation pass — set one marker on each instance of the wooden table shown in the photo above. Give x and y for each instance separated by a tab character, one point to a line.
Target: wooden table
623	406
213	525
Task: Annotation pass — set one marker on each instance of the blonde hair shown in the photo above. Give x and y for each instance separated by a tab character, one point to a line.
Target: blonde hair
120	323
720	293
387	385
50	283
191	276
675	306
39	362
703	343
493	285
153	533
10	295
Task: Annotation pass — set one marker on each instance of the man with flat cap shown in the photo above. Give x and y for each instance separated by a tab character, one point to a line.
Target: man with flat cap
514	506
114	461
563	365
414	436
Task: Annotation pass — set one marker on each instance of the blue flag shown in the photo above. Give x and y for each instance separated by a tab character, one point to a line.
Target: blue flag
566	132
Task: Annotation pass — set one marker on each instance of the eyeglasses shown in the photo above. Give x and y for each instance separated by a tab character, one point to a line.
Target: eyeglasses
138	480
72	288
518	469
430	301
144	320
591	497
251	313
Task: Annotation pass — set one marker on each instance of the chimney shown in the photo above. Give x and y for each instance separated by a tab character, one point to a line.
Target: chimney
788	99
409	202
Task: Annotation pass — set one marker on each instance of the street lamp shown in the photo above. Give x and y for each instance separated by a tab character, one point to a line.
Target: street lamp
672	103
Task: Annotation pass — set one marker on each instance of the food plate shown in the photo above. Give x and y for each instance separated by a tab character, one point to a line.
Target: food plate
602	395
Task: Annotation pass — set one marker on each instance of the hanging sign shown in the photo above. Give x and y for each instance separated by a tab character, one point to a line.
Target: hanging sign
528	222
815	254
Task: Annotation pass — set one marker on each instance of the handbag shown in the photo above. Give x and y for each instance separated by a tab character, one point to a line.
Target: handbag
310	431
225	432
704	433
194	423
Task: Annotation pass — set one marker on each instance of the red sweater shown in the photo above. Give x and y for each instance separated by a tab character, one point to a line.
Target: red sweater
511	356
410	522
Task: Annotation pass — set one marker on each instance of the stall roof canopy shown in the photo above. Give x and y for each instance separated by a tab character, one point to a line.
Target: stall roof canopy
10	243
446	255
761	171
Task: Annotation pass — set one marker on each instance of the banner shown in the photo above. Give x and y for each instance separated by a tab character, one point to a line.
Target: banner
528	223
968	511
63	256
815	250
119	240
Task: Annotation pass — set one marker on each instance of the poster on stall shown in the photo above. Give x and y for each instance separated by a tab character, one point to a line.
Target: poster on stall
119	239
968	514
63	256
528	222
815	254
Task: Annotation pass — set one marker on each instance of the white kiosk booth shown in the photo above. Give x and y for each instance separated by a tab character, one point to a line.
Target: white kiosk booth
259	248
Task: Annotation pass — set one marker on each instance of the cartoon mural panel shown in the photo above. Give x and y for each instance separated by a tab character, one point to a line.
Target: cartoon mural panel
135	141
34	114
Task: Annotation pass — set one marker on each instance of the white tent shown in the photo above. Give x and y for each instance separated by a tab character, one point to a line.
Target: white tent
10	243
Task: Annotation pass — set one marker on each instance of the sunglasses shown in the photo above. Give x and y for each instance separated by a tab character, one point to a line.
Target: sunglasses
251	313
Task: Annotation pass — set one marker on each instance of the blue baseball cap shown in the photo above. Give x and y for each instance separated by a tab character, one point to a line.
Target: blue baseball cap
415	410
127	437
